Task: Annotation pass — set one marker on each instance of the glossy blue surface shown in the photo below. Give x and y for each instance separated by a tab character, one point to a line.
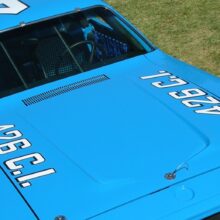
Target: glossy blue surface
112	143
11	197
175	202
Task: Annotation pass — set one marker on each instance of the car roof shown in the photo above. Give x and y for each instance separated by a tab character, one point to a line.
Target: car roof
41	9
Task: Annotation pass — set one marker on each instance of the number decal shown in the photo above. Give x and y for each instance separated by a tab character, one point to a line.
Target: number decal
10	135
12	146
215	110
25	180
36	159
13	7
177	82
14	141
186	94
5	127
210	100
161	74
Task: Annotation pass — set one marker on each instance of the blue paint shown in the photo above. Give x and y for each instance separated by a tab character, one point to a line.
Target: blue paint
111	143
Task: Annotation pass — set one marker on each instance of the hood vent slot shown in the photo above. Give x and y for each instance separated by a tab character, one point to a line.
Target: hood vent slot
64	89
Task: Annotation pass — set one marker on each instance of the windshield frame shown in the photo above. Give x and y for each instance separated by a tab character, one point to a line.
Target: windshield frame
131	30
125	22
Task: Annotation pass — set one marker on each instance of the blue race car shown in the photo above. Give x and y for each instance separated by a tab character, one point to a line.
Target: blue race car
96	123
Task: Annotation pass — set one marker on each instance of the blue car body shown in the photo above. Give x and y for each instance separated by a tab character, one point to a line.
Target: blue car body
136	139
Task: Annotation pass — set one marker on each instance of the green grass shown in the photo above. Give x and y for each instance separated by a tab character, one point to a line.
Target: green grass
186	29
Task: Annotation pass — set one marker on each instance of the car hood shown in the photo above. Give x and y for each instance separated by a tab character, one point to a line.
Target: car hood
110	141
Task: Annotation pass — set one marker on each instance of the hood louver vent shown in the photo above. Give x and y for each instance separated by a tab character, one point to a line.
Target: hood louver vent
64	89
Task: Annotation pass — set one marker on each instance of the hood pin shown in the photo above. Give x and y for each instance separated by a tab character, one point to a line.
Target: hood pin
172	175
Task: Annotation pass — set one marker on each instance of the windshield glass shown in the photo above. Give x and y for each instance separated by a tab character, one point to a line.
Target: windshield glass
65	46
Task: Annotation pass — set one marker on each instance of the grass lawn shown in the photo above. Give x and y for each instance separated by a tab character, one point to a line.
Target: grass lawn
189	29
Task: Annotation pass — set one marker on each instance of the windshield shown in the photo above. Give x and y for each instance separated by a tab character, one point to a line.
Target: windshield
65	46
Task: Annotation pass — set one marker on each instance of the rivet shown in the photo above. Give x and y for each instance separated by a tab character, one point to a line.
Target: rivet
22	24
60	217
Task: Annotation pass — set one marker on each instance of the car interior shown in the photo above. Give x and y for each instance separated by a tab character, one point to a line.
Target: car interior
61	47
